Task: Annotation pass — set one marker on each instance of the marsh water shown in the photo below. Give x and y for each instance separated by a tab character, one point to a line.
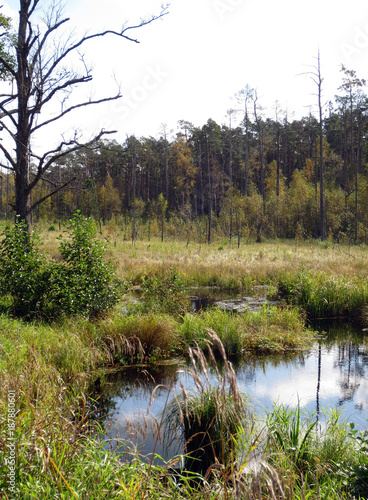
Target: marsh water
333	375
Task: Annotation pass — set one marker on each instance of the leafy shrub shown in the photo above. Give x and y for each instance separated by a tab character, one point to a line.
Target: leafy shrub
82	283
165	292
86	282
23	269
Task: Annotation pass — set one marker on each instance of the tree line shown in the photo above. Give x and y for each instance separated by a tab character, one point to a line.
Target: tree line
261	177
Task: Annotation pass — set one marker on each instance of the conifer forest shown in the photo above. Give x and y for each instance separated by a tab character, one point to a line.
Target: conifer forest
266	177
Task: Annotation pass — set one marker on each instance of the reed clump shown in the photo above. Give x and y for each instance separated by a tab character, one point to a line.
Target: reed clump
267	330
324	295
208	418
156	334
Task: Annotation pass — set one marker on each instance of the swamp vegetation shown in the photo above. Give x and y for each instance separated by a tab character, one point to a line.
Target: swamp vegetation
54	360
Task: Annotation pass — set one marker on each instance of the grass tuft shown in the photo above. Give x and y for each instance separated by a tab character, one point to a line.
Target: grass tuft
324	295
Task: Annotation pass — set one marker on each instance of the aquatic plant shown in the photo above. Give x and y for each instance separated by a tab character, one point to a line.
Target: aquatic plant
208	418
324	295
266	331
291	435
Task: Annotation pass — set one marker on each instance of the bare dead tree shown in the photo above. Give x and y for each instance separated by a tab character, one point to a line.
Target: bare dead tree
316	76
41	77
260	130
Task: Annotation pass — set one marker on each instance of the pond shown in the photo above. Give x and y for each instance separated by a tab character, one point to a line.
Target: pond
331	375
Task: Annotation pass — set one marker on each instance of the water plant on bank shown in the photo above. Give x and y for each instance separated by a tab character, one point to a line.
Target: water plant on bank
207	419
324	295
270	330
321	461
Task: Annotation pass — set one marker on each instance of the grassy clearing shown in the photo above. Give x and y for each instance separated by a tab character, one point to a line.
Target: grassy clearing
325	279
224	264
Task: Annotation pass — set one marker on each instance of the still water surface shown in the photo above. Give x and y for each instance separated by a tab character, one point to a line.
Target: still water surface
332	375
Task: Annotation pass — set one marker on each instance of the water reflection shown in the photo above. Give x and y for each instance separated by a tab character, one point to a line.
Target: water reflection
333	374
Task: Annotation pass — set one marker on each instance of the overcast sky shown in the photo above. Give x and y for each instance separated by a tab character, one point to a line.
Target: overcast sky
188	65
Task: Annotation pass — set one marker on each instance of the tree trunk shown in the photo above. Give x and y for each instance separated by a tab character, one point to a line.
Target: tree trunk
321	186
23	79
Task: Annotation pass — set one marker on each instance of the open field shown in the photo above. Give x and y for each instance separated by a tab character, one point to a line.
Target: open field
222	261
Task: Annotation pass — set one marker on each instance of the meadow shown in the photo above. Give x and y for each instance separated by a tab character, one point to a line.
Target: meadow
53	368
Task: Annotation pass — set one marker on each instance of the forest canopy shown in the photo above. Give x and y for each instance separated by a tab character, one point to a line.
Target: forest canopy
260	178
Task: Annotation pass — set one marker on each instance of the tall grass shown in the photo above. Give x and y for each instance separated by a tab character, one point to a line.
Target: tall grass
324	295
314	460
268	330
208	418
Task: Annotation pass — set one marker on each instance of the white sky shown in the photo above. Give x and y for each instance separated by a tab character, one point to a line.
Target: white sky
190	64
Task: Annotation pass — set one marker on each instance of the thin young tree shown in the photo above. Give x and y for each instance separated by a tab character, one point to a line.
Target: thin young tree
40	77
260	131
245	95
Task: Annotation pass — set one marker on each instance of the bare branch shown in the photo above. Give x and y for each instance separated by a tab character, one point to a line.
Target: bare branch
69	83
4	126
59	152
72	108
121	34
33	7
59	188
45	37
8	114
8	157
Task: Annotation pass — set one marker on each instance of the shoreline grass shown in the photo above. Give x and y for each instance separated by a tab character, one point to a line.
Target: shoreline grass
58	456
325	296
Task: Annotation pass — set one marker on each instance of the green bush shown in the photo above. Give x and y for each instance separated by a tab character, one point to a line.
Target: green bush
86	283
23	270
81	283
165	292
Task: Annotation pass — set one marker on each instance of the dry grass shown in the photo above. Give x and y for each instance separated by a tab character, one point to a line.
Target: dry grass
224	263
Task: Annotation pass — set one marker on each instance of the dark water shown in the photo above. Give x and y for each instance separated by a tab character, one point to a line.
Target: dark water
332	375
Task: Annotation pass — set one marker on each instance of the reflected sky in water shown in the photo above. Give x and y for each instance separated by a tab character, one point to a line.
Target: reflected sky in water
333	374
